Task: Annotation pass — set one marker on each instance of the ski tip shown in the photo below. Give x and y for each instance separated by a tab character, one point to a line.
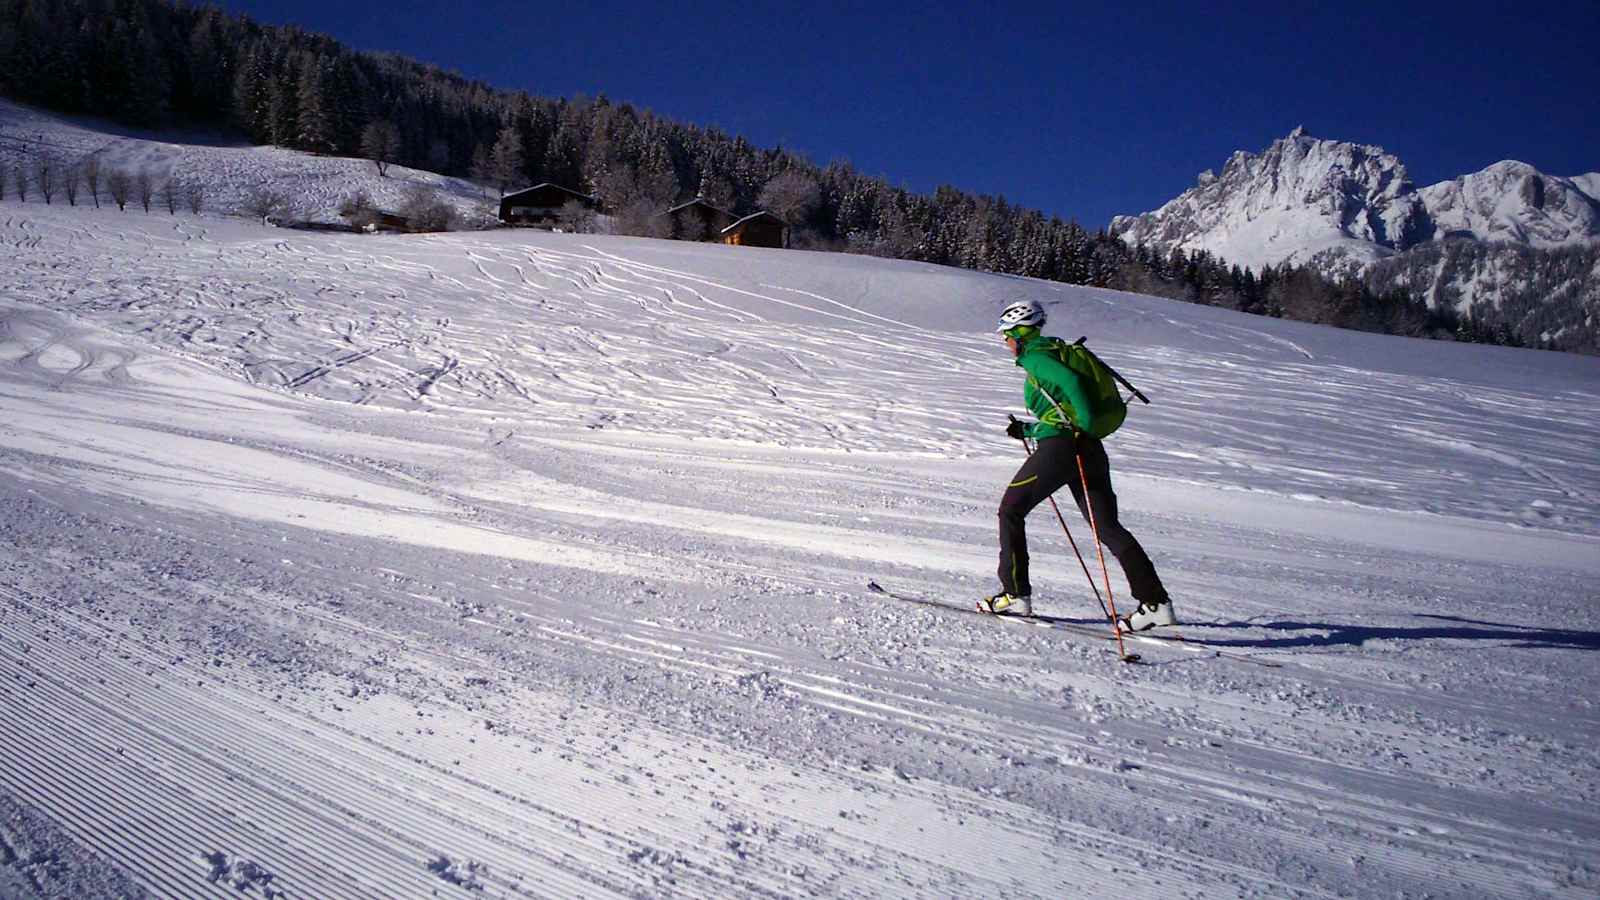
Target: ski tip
874	586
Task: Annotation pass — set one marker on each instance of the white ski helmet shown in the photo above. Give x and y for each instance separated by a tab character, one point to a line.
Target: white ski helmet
1022	312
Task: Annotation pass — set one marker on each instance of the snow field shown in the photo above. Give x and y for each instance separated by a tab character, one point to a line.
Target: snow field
511	564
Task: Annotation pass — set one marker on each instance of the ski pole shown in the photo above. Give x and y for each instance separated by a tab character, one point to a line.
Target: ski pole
1083	481
1062	519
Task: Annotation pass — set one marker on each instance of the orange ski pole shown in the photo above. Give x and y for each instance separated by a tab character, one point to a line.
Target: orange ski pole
1083	481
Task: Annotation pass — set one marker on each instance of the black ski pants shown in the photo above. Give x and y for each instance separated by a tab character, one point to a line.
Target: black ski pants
1053	464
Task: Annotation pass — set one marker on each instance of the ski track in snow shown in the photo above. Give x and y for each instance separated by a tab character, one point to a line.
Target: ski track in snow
470	323
531	565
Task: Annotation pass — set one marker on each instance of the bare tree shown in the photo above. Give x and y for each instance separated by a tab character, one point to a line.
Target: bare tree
91	176
71	178
636	198
265	202
791	195
2	183
380	142
576	217
359	210
144	186
194	196
120	187
22	183
426	211
44	175
642	217
620	186
170	192
690	225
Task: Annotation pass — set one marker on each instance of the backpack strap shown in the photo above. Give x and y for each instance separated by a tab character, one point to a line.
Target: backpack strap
1066	420
1114	373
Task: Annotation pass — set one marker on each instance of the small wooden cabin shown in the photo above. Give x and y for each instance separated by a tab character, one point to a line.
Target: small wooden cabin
375	220
540	205
759	229
388	221
698	220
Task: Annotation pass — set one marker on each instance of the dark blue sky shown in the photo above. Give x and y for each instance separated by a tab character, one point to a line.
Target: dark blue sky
1080	110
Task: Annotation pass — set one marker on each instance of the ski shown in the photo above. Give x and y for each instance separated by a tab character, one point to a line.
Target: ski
1076	626
1038	621
1172	640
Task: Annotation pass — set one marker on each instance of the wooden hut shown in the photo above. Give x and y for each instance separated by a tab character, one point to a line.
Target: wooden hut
388	221
759	229
375	220
540	205
698	220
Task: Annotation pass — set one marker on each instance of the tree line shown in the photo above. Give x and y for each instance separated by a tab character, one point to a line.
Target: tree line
152	62
1547	298
46	176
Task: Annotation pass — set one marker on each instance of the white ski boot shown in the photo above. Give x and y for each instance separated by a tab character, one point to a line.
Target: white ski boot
1004	604
1148	616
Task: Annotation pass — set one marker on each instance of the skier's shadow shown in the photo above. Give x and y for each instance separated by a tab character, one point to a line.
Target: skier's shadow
1331	635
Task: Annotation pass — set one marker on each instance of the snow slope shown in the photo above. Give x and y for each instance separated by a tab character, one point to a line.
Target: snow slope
314	186
515	564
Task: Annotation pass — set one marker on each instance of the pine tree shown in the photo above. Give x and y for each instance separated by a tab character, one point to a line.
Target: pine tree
209	74
249	105
563	157
314	119
283	103
505	160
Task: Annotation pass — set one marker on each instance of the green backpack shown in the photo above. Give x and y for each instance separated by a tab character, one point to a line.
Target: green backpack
1100	382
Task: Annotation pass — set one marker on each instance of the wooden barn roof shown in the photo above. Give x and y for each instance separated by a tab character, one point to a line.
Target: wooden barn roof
755	215
698	201
550	184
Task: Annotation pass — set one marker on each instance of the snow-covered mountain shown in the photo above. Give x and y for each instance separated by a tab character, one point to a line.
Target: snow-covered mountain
1512	201
1300	198
1342	205
512	564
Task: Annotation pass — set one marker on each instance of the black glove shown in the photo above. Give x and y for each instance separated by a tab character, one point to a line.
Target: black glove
1016	430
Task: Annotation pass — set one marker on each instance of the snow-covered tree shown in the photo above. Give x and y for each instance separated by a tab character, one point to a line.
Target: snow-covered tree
791	195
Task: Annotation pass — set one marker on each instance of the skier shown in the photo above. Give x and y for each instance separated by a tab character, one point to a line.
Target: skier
1055	392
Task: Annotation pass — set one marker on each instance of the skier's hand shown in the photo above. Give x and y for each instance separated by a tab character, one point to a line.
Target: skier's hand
1016	430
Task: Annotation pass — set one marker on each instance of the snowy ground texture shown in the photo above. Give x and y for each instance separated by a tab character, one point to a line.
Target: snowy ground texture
313	187
524	565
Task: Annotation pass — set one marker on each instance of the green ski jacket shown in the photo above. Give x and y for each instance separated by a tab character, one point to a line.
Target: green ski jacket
1047	374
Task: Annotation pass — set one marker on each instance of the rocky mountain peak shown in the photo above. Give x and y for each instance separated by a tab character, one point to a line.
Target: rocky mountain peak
1513	201
1301	196
1345	205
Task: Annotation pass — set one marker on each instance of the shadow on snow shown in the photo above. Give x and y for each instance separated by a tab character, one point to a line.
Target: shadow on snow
1450	628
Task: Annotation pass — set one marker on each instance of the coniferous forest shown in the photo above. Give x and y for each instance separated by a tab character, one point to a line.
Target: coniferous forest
156	62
